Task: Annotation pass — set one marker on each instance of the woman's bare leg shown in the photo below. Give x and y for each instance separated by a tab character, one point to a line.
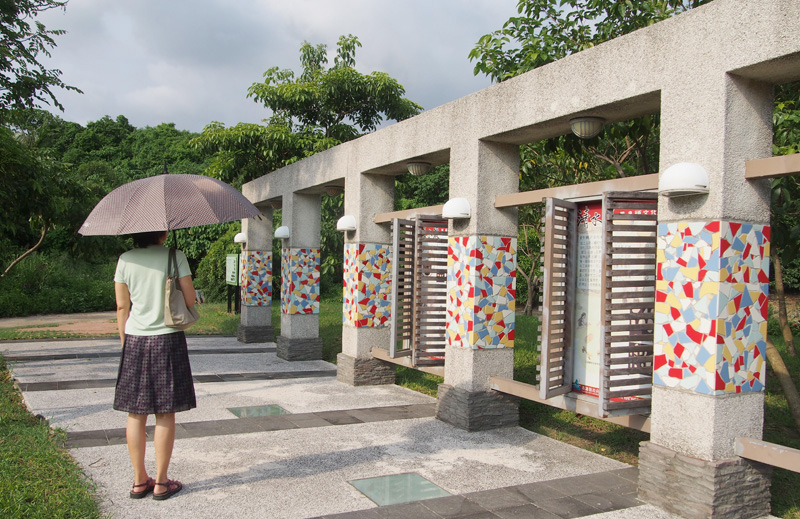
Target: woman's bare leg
137	440
163	441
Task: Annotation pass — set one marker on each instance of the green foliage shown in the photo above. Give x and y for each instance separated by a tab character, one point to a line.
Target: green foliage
210	273
318	109
432	188
24	82
57	283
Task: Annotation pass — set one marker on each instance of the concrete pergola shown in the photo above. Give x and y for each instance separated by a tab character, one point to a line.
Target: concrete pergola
709	73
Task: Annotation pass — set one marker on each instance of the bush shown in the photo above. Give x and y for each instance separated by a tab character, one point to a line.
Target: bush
210	275
57	283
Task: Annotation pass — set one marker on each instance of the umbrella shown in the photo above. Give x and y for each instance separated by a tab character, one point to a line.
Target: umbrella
166	202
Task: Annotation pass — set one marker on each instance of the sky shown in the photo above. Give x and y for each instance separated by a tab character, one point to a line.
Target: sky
190	62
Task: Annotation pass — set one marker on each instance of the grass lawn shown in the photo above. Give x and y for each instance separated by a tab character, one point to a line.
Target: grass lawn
595	435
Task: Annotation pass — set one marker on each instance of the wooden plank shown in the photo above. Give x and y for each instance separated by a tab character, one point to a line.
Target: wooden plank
634	381
382	354
638	183
409	213
632	392
771	167
768	453
641	405
573	403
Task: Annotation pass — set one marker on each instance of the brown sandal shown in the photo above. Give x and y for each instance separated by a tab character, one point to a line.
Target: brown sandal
173	487
149	485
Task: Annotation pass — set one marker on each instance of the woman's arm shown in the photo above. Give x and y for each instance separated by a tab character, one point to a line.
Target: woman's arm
187	287
123	309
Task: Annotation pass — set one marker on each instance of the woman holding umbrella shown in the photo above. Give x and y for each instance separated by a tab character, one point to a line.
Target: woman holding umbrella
155	376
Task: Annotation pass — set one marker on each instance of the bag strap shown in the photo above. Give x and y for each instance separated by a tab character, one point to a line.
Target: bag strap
172	264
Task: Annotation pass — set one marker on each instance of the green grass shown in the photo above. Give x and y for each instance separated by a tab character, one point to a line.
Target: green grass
38	478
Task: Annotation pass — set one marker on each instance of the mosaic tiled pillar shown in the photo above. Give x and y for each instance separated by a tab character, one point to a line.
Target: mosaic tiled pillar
708	371
255	281
481	286
300	276
366	314
367	285
711	307
256	278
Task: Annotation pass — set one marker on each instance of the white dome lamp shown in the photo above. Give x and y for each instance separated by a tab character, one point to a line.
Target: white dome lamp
456	208
282	232
683	179
346	223
240	238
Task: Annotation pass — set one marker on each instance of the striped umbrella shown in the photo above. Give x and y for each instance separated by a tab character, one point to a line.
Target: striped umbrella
167	202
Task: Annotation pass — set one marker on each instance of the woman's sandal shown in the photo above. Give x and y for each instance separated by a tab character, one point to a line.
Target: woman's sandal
173	487
149	485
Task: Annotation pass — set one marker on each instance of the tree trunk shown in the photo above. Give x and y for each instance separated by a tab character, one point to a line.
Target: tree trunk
27	253
787	384
782	315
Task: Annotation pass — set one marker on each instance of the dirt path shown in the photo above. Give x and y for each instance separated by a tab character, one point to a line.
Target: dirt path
94	323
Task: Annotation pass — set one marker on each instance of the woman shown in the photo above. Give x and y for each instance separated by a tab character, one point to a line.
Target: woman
154	373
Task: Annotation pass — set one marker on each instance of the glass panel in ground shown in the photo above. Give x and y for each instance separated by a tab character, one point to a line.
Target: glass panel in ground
258	410
398	488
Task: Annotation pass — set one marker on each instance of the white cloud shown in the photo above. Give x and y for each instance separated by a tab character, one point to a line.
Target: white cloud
191	61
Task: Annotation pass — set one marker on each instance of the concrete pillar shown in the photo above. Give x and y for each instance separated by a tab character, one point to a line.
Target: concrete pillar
300	271
711	306
366	305
481	285
256	280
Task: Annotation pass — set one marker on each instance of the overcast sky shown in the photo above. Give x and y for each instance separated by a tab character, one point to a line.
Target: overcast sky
191	62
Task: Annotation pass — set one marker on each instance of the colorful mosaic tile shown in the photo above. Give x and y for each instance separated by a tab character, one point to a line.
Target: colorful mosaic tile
367	285
256	278
481	286
711	306
300	281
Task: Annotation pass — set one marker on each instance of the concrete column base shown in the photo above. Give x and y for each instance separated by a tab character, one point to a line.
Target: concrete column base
252	334
693	488
478	410
309	348
363	372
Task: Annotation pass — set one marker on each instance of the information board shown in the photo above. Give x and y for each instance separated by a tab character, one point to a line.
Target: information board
232	269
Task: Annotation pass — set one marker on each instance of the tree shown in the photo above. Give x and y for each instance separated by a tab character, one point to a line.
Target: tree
311	112
546	31
24	82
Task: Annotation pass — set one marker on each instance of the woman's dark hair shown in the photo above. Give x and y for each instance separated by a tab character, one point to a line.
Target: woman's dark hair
145	239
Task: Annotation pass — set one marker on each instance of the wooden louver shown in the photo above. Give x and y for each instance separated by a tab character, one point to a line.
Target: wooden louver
419	290
628	293
402	327
558	295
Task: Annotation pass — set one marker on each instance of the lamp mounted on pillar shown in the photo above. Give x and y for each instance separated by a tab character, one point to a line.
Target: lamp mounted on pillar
333	190
346	223
240	238
683	179
282	232
586	127
456	208
418	168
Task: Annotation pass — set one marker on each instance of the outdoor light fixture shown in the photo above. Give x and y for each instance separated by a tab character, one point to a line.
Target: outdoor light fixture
456	208
683	179
282	232
346	223
586	127
333	190
240	238
418	168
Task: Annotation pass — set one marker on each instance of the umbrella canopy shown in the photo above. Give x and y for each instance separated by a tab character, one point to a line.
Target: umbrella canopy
167	202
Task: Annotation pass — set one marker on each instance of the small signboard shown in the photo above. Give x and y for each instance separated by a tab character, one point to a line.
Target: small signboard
232	269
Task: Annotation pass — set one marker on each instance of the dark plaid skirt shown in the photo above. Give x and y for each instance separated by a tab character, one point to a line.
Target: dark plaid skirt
155	375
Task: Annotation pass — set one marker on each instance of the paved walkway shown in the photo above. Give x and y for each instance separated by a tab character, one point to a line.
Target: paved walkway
305	463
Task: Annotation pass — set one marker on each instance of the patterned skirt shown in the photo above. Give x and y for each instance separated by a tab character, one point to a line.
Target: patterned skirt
155	375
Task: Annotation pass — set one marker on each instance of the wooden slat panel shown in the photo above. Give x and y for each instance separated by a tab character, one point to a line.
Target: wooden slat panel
430	297
629	263
558	258
402	287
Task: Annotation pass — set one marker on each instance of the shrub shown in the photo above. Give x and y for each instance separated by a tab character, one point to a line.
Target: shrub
57	283
210	275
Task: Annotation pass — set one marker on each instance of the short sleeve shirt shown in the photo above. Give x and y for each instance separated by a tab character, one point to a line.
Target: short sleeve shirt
144	271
